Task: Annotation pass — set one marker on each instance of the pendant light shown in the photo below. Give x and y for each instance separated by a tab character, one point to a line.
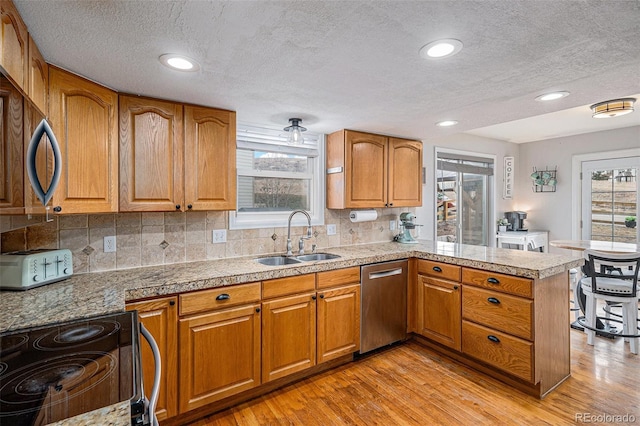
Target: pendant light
613	108
295	132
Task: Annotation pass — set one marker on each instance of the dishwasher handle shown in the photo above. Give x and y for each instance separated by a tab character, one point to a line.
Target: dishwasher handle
383	274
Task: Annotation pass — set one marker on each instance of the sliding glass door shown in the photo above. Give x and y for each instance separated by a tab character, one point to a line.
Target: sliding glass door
464	185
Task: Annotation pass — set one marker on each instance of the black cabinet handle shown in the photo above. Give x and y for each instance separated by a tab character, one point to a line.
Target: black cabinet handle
455	287
57	209
223	296
493	280
493	338
493	300
257	310
437	269
390	204
313	297
322	296
189	206
172	302
177	206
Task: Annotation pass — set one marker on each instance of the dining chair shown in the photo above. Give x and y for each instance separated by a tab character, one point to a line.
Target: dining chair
605	281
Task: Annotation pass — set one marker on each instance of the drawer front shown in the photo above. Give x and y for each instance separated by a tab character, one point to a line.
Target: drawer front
439	270
508	353
500	282
207	300
513	315
339	277
290	285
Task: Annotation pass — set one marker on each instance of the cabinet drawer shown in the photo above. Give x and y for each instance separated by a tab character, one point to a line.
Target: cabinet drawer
290	285
339	277
508	353
206	300
500	282
510	314
439	270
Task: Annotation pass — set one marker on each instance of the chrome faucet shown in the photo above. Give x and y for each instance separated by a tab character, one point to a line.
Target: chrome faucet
301	243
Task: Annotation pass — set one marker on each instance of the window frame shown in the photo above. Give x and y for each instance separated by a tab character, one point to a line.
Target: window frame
252	220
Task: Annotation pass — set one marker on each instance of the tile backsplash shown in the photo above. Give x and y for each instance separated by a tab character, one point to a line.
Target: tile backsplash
145	239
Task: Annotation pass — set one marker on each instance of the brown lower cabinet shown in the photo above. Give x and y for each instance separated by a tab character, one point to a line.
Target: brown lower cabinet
160	318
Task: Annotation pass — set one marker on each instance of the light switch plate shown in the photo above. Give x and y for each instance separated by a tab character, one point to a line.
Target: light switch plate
219	236
331	229
392	225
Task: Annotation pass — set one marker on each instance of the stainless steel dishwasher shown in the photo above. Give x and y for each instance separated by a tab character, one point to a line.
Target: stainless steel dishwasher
383	304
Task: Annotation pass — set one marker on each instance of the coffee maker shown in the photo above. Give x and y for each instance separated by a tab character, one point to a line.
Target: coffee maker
516	220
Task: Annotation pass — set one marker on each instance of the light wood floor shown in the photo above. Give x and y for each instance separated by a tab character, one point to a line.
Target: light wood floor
411	385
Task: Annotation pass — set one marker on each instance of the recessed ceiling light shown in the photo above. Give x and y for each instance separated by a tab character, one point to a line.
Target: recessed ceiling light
179	62
441	48
552	96
446	123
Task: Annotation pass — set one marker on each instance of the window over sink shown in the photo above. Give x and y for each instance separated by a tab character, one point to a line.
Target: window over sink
275	178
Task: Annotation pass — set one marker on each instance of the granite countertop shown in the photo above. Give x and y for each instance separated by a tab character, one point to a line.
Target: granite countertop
101	293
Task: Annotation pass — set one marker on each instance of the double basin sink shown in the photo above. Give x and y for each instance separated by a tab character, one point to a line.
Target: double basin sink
291	260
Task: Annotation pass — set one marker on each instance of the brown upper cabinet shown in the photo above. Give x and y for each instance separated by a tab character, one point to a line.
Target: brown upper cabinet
84	118
365	170
38	78
14	44
175	157
11	152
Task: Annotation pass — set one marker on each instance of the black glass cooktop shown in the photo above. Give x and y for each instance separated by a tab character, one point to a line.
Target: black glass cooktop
51	373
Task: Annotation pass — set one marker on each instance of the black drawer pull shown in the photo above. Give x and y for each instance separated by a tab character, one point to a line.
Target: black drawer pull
493	280
223	296
493	300
172	302
437	269
493	338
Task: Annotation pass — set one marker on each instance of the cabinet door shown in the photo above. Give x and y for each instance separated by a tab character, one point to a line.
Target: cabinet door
14	43
338	322
151	155
405	173
11	154
219	355
439	310
160	318
38	77
288	335
84	119
210	159
365	170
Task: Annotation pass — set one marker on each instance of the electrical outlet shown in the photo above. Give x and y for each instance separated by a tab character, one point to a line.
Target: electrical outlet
392	225
109	244
219	236
331	229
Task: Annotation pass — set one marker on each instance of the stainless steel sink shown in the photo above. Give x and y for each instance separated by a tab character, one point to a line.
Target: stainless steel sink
277	260
316	256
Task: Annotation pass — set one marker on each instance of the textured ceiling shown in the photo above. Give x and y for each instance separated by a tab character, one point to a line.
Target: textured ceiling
355	64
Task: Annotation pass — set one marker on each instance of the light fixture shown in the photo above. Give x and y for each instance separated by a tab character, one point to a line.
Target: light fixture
446	123
552	96
613	108
179	62
295	132
441	48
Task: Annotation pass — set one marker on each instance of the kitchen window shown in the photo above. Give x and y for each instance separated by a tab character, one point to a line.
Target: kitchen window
275	178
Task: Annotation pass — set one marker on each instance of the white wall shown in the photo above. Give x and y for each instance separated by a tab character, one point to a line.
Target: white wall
552	211
426	214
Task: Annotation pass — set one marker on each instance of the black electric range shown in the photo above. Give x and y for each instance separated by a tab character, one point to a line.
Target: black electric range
55	372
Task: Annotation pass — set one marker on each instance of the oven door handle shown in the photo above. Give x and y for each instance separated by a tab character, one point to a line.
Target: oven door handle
153	400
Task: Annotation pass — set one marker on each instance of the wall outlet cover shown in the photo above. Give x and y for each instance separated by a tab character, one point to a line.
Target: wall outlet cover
331	229
392	225
219	236
109	244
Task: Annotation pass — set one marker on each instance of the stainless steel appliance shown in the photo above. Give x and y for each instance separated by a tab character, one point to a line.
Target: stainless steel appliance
516	220
23	270
383	304
55	372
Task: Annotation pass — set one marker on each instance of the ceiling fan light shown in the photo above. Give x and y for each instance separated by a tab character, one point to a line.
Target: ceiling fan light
613	108
295	132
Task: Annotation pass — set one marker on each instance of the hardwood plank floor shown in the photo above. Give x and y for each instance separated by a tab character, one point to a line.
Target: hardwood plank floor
409	384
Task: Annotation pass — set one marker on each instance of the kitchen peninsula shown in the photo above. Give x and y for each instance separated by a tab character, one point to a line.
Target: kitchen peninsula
537	280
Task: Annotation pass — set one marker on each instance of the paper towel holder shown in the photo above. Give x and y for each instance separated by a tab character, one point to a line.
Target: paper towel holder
363	215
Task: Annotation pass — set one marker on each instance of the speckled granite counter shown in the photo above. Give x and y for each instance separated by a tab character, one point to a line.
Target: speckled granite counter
106	292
